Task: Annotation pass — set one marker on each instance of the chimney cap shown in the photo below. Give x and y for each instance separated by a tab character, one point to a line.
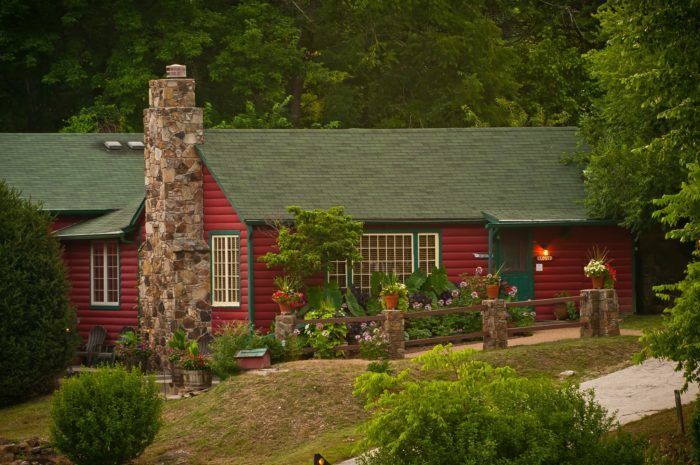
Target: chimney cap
176	71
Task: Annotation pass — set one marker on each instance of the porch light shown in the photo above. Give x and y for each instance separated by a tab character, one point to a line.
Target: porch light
545	255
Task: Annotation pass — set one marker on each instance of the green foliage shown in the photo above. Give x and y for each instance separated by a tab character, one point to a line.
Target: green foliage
521	316
645	123
380	366
37	324
317	238
106	417
482	414
695	431
324	338
267	64
236	336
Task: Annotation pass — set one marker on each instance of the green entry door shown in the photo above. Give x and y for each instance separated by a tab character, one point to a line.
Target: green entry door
514	252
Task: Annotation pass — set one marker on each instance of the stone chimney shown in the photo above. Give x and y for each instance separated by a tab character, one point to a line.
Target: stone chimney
174	283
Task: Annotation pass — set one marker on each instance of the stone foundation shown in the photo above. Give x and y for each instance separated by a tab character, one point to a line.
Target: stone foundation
394	332
175	261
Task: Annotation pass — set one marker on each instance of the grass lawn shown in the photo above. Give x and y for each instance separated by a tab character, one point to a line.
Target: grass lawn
641	322
661	430
285	417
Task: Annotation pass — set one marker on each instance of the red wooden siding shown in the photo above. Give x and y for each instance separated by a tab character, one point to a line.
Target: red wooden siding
219	214
569	249
459	244
77	258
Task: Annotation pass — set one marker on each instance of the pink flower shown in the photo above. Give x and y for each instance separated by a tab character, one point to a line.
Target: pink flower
474	295
479	270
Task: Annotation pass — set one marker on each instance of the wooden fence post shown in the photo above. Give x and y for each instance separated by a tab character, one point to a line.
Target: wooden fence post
393	330
285	326
495	324
600	313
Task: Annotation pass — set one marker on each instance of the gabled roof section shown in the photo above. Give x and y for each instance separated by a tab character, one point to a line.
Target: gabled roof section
75	174
401	175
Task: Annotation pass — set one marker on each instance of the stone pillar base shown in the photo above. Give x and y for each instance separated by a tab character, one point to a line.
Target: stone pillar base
393	330
600	313
495	324
285	326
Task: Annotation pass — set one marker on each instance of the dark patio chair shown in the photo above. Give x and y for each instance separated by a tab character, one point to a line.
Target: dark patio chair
94	346
204	343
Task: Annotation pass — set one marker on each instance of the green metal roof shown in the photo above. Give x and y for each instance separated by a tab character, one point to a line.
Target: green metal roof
75	174
401	175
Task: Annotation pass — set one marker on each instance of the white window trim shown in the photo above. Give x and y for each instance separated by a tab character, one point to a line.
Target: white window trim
105	277
436	250
236	290
408	234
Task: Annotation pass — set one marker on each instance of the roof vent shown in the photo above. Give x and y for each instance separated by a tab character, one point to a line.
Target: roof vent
113	145
135	145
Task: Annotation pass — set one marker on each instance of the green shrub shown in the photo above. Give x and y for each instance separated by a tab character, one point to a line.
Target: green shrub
237	336
464	411
106	417
695	430
37	324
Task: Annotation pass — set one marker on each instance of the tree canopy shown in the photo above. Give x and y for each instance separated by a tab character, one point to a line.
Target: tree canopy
84	66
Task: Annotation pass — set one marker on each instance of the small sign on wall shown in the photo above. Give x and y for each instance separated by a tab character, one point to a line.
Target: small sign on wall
539	267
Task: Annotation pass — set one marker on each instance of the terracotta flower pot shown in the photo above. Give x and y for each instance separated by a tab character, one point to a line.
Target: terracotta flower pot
560	312
197	379
492	291
391	301
285	308
597	281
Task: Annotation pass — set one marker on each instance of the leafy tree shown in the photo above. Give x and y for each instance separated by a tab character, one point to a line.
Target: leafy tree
679	338
317	238
37	324
483	414
645	124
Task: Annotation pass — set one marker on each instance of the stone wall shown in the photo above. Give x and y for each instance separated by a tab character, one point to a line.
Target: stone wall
174	285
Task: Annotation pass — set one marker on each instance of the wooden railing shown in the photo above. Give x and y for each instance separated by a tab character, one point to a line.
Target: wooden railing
491	310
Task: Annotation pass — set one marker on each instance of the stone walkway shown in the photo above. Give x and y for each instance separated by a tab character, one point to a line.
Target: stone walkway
640	390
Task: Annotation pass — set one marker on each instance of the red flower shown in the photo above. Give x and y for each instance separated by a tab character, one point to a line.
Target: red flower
612	272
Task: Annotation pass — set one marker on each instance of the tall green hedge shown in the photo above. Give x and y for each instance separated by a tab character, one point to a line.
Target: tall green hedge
37	324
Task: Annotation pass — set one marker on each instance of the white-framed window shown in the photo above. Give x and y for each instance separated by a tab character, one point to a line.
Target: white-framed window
428	255
104	273
338	273
397	253
225	270
386	252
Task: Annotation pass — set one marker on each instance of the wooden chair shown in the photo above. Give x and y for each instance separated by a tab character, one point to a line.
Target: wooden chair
94	346
204	343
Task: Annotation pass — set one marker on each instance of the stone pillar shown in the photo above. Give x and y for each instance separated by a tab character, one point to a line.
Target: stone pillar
174	283
285	326
495	324
600	313
393	330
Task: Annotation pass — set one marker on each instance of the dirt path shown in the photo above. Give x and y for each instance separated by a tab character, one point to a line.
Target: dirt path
536	338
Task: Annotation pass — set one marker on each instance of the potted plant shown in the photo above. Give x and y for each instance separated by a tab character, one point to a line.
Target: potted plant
177	346
196	368
286	295
493	283
392	291
560	309
597	268
132	351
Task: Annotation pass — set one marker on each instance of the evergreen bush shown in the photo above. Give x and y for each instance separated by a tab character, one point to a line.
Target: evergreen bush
106	417
37	324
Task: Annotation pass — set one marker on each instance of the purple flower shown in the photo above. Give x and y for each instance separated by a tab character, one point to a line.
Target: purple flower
463	284
344	305
474	295
296	332
417	305
479	270
428	307
357	337
319	326
441	303
455	293
448	302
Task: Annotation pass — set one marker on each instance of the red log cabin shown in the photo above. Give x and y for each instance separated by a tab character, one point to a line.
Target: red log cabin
460	197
